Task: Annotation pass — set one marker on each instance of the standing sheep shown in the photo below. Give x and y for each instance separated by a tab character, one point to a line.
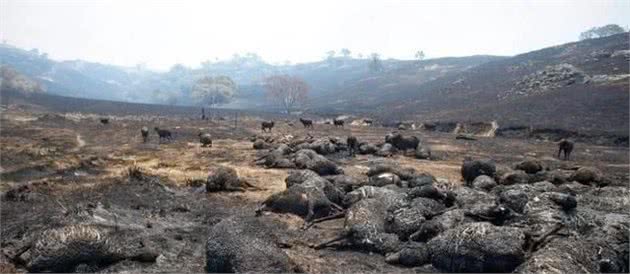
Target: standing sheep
353	145
164	134
566	146
307	123
267	125
145	134
205	139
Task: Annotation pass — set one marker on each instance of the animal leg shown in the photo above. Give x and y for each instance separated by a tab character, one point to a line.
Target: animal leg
329	217
309	216
327	243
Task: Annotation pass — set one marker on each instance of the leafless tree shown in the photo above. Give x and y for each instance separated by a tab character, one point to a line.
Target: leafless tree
289	91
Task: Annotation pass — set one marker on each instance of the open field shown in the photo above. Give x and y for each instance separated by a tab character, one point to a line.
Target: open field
68	168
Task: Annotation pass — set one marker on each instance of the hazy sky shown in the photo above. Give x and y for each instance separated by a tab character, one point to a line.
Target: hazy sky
162	33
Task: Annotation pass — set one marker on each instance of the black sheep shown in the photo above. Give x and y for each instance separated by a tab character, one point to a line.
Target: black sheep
164	134
267	126
205	139
338	123
566	146
307	123
402	143
104	121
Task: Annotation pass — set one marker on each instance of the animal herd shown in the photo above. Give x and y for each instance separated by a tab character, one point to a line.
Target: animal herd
403	143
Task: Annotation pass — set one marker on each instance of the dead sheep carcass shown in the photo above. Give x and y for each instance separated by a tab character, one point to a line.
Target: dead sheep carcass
364	225
221	178
307	195
239	244
401	142
478	247
471	169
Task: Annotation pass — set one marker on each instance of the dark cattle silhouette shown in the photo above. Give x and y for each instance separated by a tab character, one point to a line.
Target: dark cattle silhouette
338	123
566	146
104	121
267	126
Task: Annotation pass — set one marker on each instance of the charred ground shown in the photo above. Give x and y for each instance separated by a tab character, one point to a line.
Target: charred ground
63	168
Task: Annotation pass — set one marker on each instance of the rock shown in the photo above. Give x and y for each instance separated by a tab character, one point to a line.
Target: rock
471	169
514	199
587	175
515	177
484	182
244	245
530	166
478	247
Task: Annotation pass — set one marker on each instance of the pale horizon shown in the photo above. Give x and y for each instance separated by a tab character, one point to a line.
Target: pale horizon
163	33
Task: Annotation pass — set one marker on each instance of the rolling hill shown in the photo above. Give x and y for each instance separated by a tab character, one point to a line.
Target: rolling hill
577	86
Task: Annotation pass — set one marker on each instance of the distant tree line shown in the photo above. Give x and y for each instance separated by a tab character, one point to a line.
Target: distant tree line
603	31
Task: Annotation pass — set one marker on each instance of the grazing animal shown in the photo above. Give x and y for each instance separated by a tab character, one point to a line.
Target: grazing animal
267	125
164	134
402	143
104	121
338	123
368	121
353	145
307	123
145	134
566	146
205	139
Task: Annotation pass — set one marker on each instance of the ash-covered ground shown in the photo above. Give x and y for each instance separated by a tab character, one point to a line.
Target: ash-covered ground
79	195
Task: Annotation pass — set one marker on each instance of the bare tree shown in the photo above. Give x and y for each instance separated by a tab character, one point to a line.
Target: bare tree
420	55
287	90
210	91
376	64
345	52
